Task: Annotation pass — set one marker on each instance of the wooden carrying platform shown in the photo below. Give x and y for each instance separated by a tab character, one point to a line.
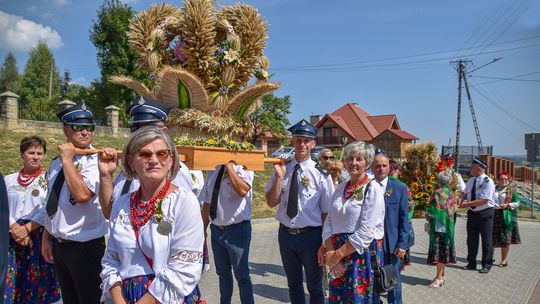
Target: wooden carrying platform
207	158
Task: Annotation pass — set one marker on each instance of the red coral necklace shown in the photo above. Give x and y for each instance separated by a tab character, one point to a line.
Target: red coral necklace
26	179
141	212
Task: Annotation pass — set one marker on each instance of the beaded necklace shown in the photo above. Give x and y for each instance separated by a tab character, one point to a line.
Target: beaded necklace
26	179
141	212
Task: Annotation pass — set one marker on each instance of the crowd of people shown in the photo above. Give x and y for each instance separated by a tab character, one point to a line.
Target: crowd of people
338	219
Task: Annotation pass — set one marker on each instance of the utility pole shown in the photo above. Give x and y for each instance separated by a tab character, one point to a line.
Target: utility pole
458	127
476	129
50	91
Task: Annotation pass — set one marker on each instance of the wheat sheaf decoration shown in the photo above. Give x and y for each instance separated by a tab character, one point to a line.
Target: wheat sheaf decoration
209	64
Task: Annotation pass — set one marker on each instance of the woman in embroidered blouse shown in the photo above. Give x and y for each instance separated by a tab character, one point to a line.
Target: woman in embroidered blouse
505	226
30	278
440	215
355	220
154	253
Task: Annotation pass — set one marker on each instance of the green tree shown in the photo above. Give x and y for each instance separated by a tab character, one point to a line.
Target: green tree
9	75
114	55
271	116
64	89
35	82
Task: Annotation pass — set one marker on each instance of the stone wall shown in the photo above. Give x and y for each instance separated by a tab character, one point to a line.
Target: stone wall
9	119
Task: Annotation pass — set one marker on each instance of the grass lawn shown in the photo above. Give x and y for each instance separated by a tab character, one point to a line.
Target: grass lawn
11	162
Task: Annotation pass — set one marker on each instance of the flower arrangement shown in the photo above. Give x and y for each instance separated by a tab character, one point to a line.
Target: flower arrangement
207	62
217	141
358	193
305	180
419	172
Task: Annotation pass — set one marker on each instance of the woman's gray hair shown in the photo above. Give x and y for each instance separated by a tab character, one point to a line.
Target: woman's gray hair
141	138
444	178
359	148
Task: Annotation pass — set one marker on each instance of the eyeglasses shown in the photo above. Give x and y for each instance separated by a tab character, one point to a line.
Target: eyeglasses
328	158
79	128
161	155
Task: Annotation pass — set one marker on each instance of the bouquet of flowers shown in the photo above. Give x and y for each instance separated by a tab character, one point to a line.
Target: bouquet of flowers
419	172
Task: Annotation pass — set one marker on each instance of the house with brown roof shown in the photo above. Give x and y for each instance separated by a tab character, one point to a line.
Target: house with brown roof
350	123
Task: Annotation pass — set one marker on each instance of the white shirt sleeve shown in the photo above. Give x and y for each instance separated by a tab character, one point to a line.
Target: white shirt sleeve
371	221
327	186
183	270
110	263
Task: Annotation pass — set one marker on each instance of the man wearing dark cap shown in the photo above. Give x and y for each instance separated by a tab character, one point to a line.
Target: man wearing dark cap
75	227
303	190
143	112
479	199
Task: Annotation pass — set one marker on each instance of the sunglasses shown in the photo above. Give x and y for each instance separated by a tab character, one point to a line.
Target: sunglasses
161	155
79	128
328	158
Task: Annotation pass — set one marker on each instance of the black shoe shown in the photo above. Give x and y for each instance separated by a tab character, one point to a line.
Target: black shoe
484	270
469	267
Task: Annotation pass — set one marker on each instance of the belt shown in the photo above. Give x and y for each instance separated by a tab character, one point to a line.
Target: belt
63	241
231	226
297	231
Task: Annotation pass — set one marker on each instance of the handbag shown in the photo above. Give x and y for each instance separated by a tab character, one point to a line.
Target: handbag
384	277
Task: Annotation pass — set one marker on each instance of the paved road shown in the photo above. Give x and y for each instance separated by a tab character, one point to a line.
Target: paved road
513	284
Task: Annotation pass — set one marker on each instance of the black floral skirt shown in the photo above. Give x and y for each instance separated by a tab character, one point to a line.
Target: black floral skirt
441	251
503	237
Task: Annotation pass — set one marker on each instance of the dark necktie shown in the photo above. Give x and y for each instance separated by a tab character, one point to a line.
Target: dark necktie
127	185
473	192
52	201
215	193
292	205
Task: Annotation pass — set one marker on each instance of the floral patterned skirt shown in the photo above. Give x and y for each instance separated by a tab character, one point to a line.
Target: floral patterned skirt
441	250
503	237
29	278
356	286
206	258
135	288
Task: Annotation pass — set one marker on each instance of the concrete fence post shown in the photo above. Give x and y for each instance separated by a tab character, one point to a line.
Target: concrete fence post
113	113
9	110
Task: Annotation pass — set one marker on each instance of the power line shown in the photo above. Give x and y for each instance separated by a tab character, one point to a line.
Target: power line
502	109
514	136
509	78
499	78
403	57
318	67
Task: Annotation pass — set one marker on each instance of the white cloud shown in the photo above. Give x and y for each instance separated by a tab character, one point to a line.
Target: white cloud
80	81
58	2
19	34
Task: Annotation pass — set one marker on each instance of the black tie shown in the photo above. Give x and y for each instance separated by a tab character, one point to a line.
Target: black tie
52	201
215	193
292	206
473	192
127	185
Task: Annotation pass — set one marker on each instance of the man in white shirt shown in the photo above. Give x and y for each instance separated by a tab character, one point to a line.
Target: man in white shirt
479	199
303	190
226	198
75	227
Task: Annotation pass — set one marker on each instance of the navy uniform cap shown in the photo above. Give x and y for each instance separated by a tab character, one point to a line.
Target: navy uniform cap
303	128
479	162
79	114
379	151
147	110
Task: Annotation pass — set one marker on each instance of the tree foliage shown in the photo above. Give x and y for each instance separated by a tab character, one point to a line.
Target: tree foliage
272	116
114	55
9	75
34	85
64	89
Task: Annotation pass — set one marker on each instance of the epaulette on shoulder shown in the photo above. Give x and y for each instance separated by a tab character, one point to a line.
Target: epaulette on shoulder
322	169
54	158
486	179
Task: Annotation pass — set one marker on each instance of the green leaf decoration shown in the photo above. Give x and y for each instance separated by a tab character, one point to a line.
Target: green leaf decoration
243	108
184	100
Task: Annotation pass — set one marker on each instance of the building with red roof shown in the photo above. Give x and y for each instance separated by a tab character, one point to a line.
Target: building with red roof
350	123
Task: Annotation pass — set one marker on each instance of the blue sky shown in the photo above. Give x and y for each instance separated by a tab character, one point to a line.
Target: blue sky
387	56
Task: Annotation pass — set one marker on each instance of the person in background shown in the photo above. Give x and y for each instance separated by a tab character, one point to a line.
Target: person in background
396	205
227	196
440	216
395	173
479	199
142	113
197	182
303	190
505	225
4	233
154	252
325	156
354	222
29	277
